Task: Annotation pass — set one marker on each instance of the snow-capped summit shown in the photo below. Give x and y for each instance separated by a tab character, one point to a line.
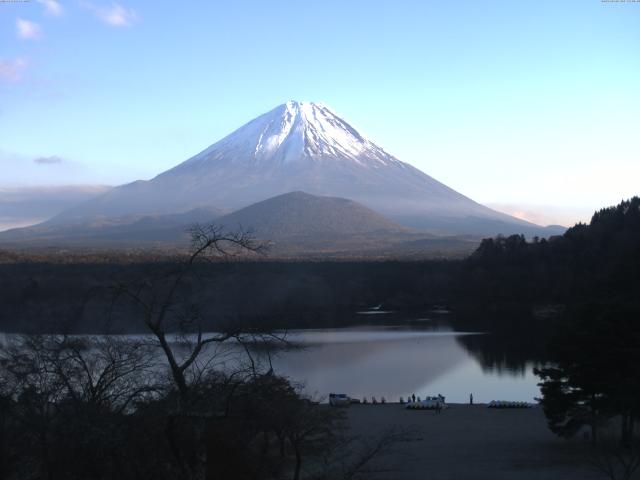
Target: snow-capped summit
301	146
294	132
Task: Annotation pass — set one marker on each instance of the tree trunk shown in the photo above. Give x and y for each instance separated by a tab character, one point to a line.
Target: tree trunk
176	372
170	432
627	429
281	439
265	443
296	473
200	468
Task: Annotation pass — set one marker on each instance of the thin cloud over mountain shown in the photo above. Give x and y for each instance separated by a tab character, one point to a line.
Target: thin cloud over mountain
52	160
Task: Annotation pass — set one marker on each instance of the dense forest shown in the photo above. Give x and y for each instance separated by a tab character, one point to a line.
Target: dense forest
79	297
600	260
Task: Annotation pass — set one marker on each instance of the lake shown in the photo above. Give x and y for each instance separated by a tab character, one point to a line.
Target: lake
392	361
395	361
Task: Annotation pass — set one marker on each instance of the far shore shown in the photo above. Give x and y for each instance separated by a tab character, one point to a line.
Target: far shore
471	442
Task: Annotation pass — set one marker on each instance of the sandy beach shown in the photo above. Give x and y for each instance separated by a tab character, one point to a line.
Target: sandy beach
473	442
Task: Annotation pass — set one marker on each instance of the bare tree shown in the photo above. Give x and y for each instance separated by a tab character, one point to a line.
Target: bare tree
105	372
164	310
71	388
34	387
177	323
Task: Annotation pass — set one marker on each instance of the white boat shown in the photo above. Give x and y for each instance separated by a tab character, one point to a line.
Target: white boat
429	403
339	399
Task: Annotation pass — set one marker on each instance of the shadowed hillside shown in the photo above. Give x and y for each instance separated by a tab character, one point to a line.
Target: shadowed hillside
300	214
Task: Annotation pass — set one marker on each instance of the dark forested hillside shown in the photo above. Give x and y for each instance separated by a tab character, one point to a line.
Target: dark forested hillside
600	260
541	289
39	296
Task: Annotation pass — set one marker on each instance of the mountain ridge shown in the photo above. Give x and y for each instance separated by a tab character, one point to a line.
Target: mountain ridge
302	146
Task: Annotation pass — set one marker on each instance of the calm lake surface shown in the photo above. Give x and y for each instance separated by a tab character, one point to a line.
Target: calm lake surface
399	361
391	362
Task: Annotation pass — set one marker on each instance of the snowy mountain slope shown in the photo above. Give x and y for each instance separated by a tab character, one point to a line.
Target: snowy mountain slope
300	146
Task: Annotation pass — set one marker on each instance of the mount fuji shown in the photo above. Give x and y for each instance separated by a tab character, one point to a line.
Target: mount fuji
300	146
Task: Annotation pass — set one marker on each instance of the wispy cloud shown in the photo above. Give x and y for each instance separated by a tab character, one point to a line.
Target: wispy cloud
52	160
118	16
565	215
11	70
23	206
114	15
52	7
31	169
28	30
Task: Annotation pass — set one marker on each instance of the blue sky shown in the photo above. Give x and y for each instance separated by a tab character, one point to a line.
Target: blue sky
531	107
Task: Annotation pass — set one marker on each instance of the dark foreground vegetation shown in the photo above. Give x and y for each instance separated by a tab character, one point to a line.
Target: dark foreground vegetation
570	303
105	409
112	407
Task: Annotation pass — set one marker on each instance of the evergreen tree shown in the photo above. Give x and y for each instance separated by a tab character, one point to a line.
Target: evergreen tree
595	376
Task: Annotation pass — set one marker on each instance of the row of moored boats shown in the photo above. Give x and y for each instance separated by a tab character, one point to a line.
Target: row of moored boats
428	403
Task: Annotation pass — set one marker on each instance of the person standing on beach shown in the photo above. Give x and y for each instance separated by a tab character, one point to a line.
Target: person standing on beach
413	398
471	399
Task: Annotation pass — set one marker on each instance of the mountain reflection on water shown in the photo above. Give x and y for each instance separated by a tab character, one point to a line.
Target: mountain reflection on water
423	358
399	361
